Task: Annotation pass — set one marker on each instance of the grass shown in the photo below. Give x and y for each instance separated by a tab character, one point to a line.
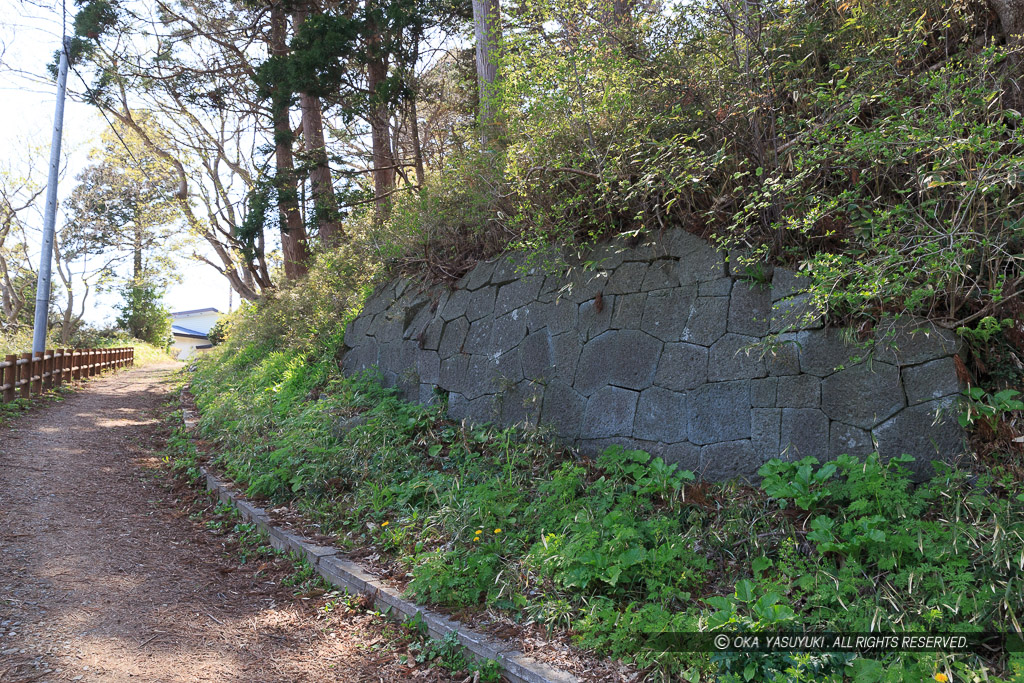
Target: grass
618	548
244	542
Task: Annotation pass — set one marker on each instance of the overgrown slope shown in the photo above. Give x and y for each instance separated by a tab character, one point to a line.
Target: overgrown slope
615	550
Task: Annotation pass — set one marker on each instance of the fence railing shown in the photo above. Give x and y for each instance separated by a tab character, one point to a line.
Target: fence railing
27	375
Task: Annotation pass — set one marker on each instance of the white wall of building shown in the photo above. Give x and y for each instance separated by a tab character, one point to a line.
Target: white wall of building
200	321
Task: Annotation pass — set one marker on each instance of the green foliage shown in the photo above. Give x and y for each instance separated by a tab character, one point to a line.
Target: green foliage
219	331
875	145
796	480
449	653
313	312
455	220
626	546
143	314
981	405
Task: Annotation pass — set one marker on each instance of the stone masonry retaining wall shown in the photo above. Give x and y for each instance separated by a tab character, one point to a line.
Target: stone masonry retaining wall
657	347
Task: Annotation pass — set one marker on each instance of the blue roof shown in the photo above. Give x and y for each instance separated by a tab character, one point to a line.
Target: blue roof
175	314
185	332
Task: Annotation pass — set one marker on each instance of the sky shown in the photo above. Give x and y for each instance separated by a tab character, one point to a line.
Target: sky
29	36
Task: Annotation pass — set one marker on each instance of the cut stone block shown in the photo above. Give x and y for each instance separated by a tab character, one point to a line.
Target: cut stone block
685	455
846	439
519	404
627	278
660	275
698	260
516	294
707	320
567	349
720	287
786	283
661	416
478	339
804	433
910	341
562	316
595	318
728	460
509	330
823	352
929	381
609	412
750	308
719	412
360	358
479	276
481	303
666	312
782	357
562	410
799	391
864	395
431	339
795	313
452	374
928	431
733	358
766	432
623	358
682	367
629	311
428	366
537	356
452	338
456	305
764	392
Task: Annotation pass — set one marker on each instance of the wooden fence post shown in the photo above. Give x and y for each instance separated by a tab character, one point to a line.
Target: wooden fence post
10	378
35	379
26	374
46	373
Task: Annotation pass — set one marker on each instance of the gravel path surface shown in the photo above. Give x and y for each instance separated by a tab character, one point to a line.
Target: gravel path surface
104	576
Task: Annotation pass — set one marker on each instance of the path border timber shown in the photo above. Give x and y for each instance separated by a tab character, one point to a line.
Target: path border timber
329	563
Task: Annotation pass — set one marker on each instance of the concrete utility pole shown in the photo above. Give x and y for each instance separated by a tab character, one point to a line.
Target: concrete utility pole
50	217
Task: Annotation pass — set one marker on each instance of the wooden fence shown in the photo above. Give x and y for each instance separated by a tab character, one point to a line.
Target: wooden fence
30	375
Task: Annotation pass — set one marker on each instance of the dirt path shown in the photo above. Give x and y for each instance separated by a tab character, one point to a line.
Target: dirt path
103	577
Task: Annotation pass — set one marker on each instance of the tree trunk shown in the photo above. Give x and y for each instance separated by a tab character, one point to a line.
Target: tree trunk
68	318
320	184
137	256
414	124
294	247
380	133
487	28
417	149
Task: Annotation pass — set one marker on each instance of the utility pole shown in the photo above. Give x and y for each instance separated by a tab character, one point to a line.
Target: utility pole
50	217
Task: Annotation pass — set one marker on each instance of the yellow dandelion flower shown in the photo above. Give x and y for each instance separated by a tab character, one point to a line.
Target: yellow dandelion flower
479	531
385	523
475	539
941	677
497	531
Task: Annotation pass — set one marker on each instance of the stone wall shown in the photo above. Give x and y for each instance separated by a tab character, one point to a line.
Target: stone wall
657	347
